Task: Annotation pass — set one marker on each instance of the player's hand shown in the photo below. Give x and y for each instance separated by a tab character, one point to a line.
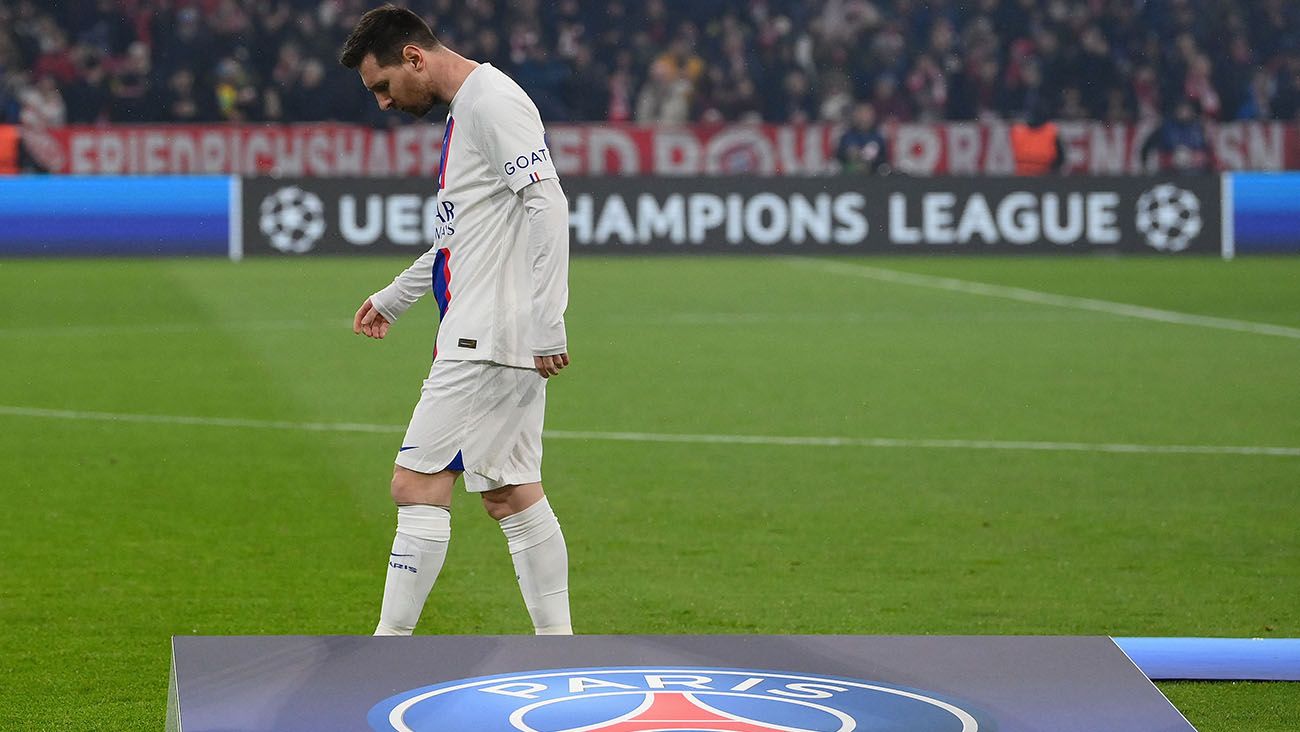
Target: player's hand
549	366
369	321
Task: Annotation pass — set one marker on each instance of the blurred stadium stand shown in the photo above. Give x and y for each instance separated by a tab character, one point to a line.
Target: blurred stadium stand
781	61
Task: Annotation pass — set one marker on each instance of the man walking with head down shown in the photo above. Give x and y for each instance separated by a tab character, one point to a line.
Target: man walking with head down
499	271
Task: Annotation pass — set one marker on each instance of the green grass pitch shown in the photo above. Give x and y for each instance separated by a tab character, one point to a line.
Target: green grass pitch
119	534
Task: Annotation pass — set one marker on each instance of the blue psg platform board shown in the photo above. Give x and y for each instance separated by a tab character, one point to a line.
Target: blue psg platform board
662	684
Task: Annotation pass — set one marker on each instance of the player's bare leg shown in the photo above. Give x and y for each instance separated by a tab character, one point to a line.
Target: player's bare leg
537	549
419	548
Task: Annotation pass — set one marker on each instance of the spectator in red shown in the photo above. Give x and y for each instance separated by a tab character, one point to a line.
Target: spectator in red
56	59
622	83
1199	87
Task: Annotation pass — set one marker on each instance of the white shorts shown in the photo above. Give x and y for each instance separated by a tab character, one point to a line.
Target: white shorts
481	418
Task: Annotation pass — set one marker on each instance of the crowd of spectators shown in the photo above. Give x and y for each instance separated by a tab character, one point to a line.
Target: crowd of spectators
667	61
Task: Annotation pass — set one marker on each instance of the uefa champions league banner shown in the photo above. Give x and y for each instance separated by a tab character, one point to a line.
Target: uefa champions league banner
821	215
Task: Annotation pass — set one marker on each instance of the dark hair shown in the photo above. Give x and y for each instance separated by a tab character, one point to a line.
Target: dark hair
383	32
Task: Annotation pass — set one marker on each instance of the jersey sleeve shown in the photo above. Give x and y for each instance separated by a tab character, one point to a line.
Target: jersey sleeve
412	284
513	140
548	263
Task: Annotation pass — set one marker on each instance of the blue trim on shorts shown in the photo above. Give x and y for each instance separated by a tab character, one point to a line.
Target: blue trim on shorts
457	463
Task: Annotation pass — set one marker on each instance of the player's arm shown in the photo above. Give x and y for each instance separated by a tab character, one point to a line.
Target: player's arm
548	261
383	308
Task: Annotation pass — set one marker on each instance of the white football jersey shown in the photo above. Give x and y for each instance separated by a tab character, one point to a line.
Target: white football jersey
480	269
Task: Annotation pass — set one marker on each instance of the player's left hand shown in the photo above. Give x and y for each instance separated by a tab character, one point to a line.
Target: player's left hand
549	366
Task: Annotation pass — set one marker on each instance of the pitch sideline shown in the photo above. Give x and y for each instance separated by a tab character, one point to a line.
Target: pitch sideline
659	437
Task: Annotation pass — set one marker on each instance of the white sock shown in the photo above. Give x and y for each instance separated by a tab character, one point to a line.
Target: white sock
542	565
419	550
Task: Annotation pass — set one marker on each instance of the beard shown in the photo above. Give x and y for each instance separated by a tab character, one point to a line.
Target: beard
419	110
421	106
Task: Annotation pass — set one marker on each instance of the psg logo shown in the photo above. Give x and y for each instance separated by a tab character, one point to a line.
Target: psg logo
681	699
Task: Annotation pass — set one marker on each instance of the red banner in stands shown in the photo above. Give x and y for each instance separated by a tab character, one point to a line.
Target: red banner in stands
1091	148
344	150
698	150
252	150
328	150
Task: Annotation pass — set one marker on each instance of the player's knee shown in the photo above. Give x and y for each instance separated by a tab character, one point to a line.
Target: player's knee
498	503
511	499
401	488
409	487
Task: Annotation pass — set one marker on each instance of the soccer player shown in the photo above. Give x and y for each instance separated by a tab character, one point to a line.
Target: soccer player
499	271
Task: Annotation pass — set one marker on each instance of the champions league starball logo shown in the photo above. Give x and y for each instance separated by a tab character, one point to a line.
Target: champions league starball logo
293	220
1169	217
680	699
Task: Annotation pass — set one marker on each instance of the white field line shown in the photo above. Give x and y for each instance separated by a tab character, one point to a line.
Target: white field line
73	329
869	442
1047	298
879	316
180	419
684	318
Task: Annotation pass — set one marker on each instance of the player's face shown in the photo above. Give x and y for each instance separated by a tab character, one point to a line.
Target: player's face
400	86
